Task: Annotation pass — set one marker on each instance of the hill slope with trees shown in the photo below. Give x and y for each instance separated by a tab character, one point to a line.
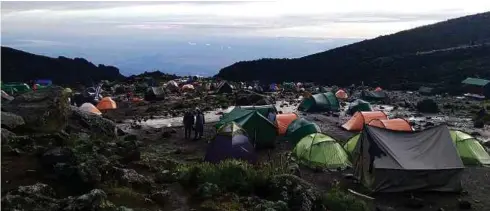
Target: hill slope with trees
441	54
20	66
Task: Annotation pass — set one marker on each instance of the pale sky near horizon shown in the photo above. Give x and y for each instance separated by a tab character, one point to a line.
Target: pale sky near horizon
203	36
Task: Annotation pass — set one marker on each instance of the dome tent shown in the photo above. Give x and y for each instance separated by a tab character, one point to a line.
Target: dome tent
341	94
106	103
299	128
283	121
90	108
357	122
319	150
320	102
358	105
392	124
469	149
231	142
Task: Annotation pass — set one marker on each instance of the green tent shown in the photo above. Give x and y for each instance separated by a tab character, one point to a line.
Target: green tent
350	145
300	128
15	88
469	149
358	105
262	109
261	131
320	102
319	150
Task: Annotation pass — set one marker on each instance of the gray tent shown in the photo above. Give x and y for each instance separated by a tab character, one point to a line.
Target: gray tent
394	161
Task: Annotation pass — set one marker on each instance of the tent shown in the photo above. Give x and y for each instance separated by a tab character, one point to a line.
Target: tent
283	121
397	161
188	87
423	90
378	89
15	88
360	118
392	124
300	128
373	95
341	94
260	130
320	102
289	86
231	142
273	87
106	103
263	109
358	105
225	87
469	149
351	143
319	150
172	85
44	82
155	93
90	108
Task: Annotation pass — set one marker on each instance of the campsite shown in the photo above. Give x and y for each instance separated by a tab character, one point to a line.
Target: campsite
321	136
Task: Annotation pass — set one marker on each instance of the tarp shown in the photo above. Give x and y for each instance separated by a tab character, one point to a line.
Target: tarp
300	128
155	93
231	142
471	152
106	103
320	102
341	94
396	161
319	150
357	122
225	87
392	124
373	95
260	130
90	108
358	105
283	121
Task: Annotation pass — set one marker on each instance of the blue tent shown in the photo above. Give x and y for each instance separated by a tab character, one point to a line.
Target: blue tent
44	82
273	87
231	142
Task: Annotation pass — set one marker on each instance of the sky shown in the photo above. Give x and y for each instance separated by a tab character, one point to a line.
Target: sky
201	37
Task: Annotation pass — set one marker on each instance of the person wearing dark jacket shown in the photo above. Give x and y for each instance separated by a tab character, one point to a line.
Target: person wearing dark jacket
199	127
188	122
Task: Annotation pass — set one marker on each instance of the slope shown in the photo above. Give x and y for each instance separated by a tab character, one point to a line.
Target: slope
22	66
451	49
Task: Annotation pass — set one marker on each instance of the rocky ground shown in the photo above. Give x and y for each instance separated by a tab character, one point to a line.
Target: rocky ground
56	157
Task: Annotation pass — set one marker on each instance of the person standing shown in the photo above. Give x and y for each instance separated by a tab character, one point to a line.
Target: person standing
188	122
199	127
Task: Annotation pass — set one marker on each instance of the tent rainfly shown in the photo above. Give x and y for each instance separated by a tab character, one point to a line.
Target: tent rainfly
357	122
319	150
358	105
471	152
397	161
341	94
231	142
320	102
283	121
392	124
300	128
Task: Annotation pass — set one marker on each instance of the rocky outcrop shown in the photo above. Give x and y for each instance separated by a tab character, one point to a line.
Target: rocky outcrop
296	192
91	123
11	121
246	97
44	111
427	106
40	197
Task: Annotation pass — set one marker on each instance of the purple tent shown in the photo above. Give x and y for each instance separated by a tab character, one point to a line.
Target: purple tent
230	143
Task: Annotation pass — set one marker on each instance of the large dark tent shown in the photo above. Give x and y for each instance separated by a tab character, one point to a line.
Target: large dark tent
155	93
397	161
224	87
231	142
373	95
320	102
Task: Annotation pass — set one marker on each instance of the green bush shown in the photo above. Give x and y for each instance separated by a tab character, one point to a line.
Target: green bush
337	200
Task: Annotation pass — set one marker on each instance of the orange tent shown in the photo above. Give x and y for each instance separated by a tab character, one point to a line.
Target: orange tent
88	107
392	124
378	89
106	103
357	122
341	94
283	121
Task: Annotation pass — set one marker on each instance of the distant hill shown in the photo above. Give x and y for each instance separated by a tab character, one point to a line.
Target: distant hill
22	66
441	54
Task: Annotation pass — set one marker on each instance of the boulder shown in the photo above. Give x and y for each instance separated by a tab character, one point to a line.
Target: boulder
33	197
91	123
58	155
296	192
11	121
245	98
94	200
131	178
44	110
427	106
6	135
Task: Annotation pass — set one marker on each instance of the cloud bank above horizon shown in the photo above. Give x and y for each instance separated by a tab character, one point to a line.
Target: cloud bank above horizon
316	19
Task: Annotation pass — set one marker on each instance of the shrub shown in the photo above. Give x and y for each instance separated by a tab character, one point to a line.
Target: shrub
337	200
